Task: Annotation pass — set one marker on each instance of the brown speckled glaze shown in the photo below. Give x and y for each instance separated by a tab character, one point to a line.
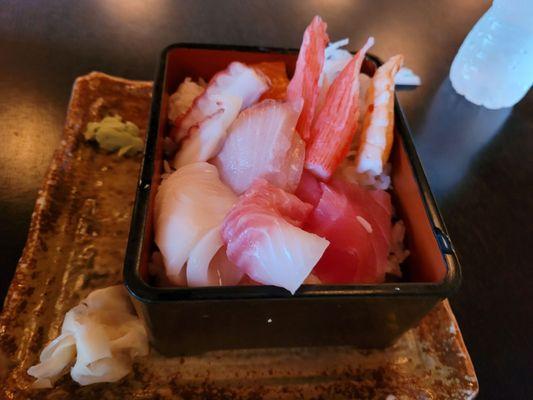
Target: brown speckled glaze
76	244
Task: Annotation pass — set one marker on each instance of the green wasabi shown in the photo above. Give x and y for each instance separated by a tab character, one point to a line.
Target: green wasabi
113	134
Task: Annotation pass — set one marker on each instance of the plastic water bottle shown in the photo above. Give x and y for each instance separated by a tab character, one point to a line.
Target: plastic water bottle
494	66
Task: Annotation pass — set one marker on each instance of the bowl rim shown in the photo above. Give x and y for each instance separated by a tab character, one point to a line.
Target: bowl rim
146	293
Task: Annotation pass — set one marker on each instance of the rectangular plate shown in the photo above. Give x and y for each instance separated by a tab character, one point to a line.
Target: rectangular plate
76	244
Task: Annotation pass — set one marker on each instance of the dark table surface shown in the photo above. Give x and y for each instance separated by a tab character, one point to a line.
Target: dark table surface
478	162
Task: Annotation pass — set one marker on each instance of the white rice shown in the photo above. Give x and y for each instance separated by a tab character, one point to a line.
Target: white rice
182	99
397	252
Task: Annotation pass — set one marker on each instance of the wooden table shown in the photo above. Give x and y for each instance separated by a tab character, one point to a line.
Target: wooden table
478	162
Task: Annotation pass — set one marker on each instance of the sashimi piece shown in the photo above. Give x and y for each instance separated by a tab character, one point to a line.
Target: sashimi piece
309	189
357	222
236	80
158	273
376	209
189	202
263	238
276	72
335	125
262	143
206	138
302	91
208	264
350	256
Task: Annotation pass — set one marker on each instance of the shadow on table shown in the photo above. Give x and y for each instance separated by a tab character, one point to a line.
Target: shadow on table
453	132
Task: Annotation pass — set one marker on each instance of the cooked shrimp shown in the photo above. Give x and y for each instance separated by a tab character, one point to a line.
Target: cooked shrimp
375	142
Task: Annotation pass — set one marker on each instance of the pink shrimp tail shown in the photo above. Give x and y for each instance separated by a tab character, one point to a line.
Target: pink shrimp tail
303	90
335	125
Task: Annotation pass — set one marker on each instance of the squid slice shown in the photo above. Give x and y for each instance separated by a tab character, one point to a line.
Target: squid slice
189	202
206	139
237	80
208	264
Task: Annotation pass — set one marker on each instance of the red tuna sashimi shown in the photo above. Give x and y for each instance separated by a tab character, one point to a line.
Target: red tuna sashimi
335	125
262	143
357	223
350	256
376	211
264	239
309	189
303	89
238	80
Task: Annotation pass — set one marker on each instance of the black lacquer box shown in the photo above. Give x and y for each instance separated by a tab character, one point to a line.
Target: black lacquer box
194	320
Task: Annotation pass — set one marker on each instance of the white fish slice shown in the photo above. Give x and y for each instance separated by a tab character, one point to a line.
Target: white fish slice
262	143
208	264
189	202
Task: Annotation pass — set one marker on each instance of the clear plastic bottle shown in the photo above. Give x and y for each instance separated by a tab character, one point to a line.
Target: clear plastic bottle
494	66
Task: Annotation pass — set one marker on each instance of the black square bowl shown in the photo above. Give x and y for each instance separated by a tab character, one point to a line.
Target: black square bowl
193	320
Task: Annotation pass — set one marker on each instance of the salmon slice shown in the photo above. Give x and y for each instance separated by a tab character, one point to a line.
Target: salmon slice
303	88
334	127
262	143
264	239
276	72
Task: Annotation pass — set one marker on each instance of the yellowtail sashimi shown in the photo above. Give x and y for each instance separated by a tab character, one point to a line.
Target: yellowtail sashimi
264	239
262	143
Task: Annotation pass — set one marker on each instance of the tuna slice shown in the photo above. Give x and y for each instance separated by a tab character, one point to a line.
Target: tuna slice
190	202
236	80
357	222
262	143
206	138
303	89
309	189
264	239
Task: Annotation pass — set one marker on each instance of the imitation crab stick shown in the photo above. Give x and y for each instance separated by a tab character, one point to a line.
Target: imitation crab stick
334	126
303	89
377	134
